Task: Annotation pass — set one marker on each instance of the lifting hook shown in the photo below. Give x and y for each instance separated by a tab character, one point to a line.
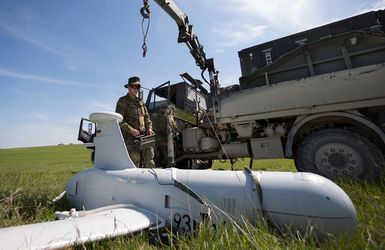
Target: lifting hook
145	10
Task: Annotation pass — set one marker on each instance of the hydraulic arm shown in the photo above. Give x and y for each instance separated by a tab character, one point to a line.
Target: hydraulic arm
186	33
187	36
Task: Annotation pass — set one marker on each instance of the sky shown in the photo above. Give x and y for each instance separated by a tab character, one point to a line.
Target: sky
62	60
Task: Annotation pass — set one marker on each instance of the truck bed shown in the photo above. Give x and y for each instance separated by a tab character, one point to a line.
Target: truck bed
341	90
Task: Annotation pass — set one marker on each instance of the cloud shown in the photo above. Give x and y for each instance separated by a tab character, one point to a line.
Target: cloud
380	4
73	57
17	33
286	14
16	91
291	15
97	105
247	20
40	116
235	34
27	76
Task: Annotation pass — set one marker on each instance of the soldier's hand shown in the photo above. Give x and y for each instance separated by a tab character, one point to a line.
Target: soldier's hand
134	132
150	131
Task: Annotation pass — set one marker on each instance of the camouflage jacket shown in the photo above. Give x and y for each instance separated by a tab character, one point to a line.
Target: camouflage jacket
135	115
160	126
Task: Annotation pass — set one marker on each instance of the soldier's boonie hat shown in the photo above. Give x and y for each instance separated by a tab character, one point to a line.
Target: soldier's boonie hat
133	81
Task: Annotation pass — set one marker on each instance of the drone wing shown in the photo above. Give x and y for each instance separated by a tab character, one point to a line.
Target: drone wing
64	233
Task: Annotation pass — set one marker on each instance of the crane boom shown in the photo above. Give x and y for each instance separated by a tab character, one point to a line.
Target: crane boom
186	34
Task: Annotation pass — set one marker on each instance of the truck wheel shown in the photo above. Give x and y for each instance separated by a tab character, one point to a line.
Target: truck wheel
339	153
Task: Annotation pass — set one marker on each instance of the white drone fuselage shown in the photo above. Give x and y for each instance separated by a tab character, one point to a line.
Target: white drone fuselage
116	198
183	198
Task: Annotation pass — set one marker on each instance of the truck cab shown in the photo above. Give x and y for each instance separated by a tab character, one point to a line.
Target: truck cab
187	98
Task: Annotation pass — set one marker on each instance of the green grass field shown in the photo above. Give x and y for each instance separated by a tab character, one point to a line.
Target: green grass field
31	177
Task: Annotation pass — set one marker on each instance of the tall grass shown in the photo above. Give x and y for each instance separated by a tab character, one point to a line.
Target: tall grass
31	177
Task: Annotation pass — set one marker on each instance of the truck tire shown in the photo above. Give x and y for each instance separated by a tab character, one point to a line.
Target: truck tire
339	153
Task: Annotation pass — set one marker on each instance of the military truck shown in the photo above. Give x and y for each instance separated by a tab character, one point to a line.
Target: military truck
317	97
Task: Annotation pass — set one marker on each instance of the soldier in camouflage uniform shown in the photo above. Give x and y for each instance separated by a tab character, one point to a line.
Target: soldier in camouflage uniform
164	118
136	121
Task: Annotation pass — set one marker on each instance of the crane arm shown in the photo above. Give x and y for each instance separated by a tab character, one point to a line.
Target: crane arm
186	34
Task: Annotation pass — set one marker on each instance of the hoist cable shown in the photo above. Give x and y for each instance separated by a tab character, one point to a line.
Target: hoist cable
146	13
145	33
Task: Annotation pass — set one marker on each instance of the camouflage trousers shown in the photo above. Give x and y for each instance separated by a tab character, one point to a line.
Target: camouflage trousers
161	155
148	157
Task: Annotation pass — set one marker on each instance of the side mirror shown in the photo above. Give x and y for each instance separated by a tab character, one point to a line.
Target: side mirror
87	131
